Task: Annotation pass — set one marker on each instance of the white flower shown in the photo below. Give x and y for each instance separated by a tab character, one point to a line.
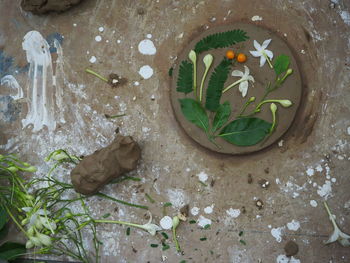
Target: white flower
262	52
44	239
149	227
337	235
38	219
243	81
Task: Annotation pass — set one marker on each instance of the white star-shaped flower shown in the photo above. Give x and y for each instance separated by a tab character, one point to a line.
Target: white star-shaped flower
262	52
243	81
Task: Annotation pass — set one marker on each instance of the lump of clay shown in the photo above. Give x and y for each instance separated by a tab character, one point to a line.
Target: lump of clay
99	168
45	6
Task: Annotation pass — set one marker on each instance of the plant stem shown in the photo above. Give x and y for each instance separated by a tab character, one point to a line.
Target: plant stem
330	214
195	79
202	84
118	222
96	75
268	59
121	202
176	241
114	116
233	84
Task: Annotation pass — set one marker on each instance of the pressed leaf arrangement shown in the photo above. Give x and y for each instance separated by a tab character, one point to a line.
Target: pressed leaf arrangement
206	110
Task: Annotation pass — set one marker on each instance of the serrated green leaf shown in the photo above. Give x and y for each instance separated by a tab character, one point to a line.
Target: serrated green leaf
194	112
221	40
185	79
245	131
10	250
216	85
221	116
281	64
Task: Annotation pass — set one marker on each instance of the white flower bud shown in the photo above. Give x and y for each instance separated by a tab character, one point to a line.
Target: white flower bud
44	239
192	56
208	59
29	244
285	103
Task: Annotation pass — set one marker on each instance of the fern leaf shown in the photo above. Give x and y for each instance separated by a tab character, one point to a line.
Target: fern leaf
221	40
216	85
185	78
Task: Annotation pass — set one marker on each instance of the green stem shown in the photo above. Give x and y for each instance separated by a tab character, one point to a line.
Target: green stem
176	241
268	60
273	121
244	108
233	84
258	108
118	222
114	116
202	84
96	75
330	214
121	202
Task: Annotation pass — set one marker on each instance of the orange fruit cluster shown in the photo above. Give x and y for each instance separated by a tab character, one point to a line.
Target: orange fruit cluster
241	58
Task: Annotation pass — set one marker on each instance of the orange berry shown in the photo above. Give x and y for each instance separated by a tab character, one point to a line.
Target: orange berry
241	58
230	54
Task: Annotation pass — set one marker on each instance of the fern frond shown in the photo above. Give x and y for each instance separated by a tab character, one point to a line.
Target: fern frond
216	85
221	40
185	77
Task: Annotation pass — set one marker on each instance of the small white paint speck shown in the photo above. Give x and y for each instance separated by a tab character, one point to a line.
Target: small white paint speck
194	211
277	233
285	35
302	52
92	59
134	98
98	38
233	212
202	176
269	226
334	180
209	209
328	177
88	52
149	36
107	41
319	168
74	25
146	47
325	190
285	259
257	18
280	143
203	221
166	222
310	172
188	169
348	130
313	203
146	72
101	29
153	97
314	184
136	83
293	225
119	41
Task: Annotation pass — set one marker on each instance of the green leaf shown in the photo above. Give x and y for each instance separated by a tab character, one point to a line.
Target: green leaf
281	64
3	217
221	40
194	112
10	250
216	85
185	79
245	131
222	116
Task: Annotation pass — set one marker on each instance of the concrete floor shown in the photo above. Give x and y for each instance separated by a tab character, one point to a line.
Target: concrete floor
317	144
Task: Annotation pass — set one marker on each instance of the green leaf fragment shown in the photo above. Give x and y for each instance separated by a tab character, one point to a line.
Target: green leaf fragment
3	217
221	116
106	215
207	226
192	221
245	131
10	250
170	72
185	78
154	245
243	242
128	231
165	247
194	113
216	85
221	40
281	64
165	235
167	204
203	239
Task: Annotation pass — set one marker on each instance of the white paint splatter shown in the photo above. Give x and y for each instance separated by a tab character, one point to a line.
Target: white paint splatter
98	38
166	222
313	203
146	72
177	197
92	59
74	24
325	190
310	171
319	168
203	221
280	143
209	209
203	177
119	41
11	82
257	18
233	212
101	29
345	15
149	36
146	47
277	233
285	259
195	211
348	130
293	225
136	83
40	91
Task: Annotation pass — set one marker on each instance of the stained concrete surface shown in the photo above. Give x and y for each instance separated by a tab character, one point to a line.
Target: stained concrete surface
317	144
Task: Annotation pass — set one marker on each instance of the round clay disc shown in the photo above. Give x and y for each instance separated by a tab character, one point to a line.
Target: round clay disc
291	88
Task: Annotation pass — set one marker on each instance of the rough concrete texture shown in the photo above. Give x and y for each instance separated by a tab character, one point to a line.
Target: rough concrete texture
310	165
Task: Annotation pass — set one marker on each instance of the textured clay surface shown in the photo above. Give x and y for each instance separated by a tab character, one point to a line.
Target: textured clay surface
45	6
104	165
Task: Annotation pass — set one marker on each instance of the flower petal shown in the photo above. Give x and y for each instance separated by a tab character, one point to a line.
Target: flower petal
246	71
344	235
255	53
262	61
250	78
266	43
243	88
27	209
344	242
257	45
237	73
333	237
269	53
